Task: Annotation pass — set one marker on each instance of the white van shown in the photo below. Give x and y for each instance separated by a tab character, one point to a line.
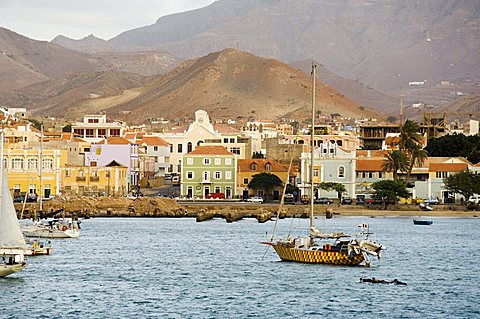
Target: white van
475	199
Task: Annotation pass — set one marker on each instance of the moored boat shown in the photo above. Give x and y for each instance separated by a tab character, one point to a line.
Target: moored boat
37	247
55	228
422	222
325	248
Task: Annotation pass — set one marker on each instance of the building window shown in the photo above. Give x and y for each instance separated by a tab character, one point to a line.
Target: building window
380	175
67	173
370	174
253	166
32	164
89	132
225	140
47	164
93	163
190	161
218	189
315	173
155	148
189	147
235	150
245	180
206	176
102	132
206	161
228	175
17	163
268	167
218	161
341	172
228	161
171	148
190	175
232	140
78	131
179	148
218	175
114	132
441	174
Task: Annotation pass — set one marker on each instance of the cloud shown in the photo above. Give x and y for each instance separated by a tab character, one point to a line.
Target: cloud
43	20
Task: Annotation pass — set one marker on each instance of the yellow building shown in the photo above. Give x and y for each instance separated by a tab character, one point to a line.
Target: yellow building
25	174
111	179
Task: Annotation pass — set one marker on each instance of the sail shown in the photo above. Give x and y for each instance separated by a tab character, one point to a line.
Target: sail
10	232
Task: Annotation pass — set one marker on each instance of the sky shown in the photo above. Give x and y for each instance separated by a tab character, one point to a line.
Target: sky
45	19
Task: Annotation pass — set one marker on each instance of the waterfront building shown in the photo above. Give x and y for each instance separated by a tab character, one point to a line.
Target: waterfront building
208	169
247	168
116	149
156	148
95	128
331	163
108	180
33	171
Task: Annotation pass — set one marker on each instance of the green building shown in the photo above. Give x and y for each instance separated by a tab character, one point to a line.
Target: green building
209	171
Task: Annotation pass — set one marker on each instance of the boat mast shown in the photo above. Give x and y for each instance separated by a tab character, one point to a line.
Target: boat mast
312	135
40	169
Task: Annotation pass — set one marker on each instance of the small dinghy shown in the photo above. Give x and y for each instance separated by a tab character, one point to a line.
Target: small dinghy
422	222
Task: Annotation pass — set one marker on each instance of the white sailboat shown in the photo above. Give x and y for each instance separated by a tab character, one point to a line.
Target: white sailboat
55	228
12	242
344	250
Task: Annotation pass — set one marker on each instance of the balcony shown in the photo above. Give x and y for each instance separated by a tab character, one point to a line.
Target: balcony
206	181
80	178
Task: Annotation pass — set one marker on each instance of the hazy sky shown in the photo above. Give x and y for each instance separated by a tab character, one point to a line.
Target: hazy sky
45	19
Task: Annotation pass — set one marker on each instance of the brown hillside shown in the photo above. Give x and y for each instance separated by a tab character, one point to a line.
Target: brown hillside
72	95
234	83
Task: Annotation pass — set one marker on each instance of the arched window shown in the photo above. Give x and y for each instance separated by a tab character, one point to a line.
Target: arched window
17	163
47	164
341	172
199	143
339	142
253	166
171	148
179	148
189	147
268	167
32	164
301	142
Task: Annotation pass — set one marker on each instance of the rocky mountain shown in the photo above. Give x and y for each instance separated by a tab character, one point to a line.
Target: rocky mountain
24	61
353	89
93	44
462	109
383	43
227	84
75	95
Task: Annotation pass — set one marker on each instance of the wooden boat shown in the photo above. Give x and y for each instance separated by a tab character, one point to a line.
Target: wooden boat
422	222
344	250
12	242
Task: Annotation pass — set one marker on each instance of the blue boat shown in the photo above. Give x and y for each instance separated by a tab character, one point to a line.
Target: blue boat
422	222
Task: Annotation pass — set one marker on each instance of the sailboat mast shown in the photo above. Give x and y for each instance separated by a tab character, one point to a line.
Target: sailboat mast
312	135
40	169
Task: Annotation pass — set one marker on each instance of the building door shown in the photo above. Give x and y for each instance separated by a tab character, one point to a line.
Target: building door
228	192
206	191
276	195
46	191
245	194
190	192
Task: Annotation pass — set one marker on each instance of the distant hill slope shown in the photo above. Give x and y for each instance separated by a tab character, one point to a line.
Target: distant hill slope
75	94
352	89
230	84
462	109
227	84
382	43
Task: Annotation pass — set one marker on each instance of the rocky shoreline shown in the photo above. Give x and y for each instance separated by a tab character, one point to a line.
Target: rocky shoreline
88	207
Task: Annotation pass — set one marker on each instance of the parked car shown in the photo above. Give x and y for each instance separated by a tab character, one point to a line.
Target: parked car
374	200
215	196
323	200
255	199
360	200
289	199
431	201
347	201
474	199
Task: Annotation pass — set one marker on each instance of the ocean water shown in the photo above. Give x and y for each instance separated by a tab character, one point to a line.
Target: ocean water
177	268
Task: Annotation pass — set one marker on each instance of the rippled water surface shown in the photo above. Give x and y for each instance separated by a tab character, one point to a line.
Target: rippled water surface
177	268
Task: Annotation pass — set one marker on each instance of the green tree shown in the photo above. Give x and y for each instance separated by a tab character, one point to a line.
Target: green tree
455	145
392	119
390	190
36	123
265	181
332	186
464	183
395	161
409	135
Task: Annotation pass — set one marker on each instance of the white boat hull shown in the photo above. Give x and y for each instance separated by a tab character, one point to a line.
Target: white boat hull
51	233
6	270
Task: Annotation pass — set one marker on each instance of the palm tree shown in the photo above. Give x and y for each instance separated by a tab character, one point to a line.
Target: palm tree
411	143
395	161
417	157
409	135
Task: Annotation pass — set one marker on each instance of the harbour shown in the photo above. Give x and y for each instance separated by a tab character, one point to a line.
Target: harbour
178	268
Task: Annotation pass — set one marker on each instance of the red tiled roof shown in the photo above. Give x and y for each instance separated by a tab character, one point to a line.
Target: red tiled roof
245	165
373	153
448	167
210	150
369	165
115	140
153	140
